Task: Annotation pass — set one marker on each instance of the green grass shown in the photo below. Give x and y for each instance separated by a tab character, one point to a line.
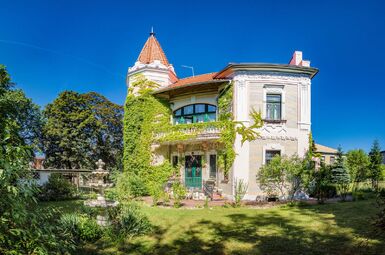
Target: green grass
340	228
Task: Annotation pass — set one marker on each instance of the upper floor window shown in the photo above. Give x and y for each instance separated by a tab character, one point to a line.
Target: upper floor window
273	107
270	154
195	113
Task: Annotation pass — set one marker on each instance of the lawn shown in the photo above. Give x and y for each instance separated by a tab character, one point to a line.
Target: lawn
339	228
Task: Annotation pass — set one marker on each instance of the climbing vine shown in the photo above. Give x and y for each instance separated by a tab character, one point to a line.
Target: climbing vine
147	121
142	114
226	155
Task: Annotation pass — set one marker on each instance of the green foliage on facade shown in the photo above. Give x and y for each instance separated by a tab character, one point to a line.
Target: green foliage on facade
143	114
230	129
226	155
147	122
182	132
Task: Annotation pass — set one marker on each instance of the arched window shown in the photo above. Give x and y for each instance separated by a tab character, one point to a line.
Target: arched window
195	113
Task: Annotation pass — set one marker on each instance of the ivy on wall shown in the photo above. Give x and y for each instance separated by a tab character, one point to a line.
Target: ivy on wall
142	114
147	121
226	155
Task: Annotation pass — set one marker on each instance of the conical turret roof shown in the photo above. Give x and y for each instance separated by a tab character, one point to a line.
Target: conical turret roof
152	51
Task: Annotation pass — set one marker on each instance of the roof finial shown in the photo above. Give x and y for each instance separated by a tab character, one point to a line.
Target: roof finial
152	31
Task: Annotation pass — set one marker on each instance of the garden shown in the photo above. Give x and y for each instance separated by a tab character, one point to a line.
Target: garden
345	215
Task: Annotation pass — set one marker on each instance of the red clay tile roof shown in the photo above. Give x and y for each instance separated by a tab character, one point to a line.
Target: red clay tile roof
194	79
152	51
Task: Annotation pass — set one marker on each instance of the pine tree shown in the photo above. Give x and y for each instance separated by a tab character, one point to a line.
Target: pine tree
375	164
340	157
340	175
342	180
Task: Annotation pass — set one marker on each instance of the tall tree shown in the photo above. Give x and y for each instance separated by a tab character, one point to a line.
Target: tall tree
108	137
24	228
340	157
357	162
375	164
80	128
17	112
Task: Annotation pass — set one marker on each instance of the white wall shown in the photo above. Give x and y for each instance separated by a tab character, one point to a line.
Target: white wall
291	137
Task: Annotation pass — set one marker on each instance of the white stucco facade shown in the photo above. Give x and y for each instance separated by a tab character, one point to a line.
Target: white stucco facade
291	136
252	84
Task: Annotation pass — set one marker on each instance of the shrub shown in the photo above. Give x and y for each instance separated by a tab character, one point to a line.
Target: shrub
129	185
281	176
156	178
380	221
321	185
179	192
128	220
89	229
24	227
81	227
240	191
57	188
358	195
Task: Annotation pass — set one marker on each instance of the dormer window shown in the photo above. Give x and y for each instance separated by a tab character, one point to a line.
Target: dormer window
195	113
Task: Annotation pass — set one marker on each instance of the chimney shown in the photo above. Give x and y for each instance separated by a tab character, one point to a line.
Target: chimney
296	60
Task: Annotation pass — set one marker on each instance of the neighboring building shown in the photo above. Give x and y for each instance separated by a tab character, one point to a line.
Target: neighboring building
282	92
41	174
328	155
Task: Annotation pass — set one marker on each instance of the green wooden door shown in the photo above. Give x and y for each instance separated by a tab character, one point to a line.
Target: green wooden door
193	171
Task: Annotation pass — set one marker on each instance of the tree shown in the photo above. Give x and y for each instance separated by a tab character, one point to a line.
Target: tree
321	184
309	164
375	164
24	228
108	138
81	128
357	162
20	113
340	157
341	179
281	175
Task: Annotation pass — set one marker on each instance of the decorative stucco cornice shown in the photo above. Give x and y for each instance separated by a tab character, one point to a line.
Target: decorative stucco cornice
242	76
232	68
154	65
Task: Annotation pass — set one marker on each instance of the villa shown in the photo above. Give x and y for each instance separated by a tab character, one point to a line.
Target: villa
280	92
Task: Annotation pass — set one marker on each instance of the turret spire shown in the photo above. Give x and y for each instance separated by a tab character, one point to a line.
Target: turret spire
152	51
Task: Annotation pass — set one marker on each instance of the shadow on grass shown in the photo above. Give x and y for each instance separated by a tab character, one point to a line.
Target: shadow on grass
339	230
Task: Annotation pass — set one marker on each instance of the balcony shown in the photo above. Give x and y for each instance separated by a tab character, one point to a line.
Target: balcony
189	132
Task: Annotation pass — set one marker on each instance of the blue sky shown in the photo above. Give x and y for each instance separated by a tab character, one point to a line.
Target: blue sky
51	46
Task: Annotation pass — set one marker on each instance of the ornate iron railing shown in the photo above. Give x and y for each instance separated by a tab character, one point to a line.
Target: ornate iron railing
198	131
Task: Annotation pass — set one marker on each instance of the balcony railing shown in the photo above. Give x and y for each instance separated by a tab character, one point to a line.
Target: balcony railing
195	131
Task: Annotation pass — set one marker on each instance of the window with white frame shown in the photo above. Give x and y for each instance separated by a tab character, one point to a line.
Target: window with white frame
273	106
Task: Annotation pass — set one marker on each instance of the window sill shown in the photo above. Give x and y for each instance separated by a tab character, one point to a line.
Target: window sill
274	121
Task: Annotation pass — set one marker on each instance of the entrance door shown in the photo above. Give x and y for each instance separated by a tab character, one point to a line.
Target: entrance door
193	171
